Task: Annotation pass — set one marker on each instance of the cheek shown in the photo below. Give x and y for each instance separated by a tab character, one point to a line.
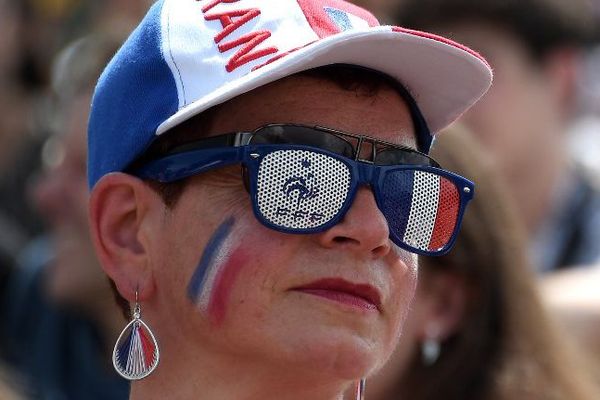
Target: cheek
215	258
230	254
224	282
404	290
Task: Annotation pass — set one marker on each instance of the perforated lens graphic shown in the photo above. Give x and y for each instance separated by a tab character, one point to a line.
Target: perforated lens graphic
421	208
299	189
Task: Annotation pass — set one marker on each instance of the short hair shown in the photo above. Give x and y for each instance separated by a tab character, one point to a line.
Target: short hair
540	25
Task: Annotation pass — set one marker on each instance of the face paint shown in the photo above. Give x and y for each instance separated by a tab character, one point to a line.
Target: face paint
215	254
223	285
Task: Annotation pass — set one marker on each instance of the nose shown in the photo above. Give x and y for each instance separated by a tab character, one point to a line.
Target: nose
363	230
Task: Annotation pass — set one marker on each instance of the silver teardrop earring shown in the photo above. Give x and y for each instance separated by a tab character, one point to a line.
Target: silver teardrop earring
360	389
136	352
431	347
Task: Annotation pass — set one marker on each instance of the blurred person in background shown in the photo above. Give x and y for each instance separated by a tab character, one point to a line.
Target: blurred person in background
8	389
60	319
15	222
535	49
573	296
382	9
31	33
477	329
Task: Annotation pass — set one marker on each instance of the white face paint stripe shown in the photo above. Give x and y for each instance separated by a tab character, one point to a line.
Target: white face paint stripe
423	210
217	264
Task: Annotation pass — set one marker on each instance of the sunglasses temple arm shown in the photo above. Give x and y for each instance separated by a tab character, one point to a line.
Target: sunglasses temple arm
183	165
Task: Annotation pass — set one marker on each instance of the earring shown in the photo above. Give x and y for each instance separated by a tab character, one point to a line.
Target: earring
431	347
360	389
136	352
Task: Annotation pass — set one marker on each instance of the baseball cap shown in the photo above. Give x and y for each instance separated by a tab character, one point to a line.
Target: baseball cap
189	55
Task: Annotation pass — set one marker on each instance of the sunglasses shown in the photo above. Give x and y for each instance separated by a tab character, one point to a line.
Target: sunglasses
303	179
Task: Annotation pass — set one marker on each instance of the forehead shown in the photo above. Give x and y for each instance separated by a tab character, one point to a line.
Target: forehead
311	100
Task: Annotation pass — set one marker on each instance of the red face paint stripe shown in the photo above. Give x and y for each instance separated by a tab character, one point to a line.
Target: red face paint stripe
447	213
224	282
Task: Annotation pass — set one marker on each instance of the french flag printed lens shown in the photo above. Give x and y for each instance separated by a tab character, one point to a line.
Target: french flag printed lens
301	190
421	207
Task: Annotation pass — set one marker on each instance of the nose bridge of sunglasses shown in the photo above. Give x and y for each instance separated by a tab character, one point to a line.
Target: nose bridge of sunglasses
365	150
366	172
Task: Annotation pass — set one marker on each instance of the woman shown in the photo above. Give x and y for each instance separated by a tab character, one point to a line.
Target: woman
290	277
478	330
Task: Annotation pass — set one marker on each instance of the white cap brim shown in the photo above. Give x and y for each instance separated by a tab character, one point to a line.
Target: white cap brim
444	78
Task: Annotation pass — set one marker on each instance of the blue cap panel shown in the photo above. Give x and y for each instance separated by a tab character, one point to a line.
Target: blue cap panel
134	95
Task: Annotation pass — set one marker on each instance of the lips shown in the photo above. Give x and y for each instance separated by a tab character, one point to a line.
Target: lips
362	296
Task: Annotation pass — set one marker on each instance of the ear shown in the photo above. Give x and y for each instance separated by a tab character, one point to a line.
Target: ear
443	298
120	205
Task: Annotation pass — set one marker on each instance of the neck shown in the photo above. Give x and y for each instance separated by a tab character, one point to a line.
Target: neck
216	376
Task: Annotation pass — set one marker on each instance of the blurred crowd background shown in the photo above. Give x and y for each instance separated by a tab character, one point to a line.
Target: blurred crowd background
527	264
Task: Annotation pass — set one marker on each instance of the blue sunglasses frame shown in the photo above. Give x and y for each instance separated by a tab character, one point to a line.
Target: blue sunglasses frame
181	165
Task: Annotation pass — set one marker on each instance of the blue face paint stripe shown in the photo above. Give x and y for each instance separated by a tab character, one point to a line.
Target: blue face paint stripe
212	247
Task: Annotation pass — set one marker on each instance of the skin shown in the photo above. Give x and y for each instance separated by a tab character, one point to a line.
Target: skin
271	340
438	310
214	256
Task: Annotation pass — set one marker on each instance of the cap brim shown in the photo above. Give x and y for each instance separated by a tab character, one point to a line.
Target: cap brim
444	78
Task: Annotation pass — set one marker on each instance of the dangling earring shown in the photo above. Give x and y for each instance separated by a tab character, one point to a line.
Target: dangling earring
431	347
360	389
136	352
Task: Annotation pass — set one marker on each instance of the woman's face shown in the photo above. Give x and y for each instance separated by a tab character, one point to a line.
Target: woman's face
330	303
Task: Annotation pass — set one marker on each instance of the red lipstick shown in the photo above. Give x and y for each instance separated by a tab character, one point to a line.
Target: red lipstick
356	295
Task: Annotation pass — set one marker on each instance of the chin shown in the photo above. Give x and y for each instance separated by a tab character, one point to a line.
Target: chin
341	355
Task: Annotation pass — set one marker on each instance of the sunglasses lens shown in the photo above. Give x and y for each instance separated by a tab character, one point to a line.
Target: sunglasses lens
421	208
301	190
305	136
403	157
